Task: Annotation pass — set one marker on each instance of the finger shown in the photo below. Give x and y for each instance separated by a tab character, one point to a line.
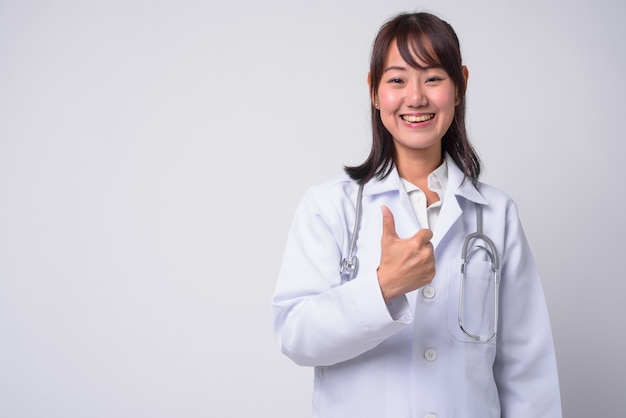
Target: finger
424	236
389	224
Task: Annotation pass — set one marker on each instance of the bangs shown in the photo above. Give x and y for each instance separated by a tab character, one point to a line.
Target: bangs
417	45
423	41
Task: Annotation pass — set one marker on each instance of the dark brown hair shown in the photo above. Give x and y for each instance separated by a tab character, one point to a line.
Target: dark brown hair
435	43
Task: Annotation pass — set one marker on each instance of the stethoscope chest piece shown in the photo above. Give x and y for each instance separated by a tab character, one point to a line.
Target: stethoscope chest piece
349	267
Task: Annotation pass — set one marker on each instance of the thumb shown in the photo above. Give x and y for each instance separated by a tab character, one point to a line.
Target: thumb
389	225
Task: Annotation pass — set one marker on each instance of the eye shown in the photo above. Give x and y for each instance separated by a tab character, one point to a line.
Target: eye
394	80
434	79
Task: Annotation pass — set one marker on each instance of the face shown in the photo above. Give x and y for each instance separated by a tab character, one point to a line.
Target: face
416	105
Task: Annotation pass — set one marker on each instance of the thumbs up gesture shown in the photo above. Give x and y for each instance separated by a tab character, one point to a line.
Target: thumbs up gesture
406	264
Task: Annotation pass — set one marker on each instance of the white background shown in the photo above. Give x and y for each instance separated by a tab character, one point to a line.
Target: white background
152	154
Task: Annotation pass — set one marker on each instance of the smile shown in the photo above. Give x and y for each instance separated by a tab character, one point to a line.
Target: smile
417	119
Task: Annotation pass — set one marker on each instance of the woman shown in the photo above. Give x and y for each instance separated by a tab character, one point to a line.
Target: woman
407	334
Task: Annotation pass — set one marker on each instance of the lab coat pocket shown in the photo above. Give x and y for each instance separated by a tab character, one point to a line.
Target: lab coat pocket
471	301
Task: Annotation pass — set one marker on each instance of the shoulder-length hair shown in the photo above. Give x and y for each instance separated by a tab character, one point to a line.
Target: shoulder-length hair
435	43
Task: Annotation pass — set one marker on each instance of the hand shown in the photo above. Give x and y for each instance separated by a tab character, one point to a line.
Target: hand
406	264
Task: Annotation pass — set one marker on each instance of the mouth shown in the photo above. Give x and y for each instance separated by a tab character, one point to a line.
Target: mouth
417	118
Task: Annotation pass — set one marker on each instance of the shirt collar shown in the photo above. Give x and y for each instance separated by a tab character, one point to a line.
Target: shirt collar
437	180
454	178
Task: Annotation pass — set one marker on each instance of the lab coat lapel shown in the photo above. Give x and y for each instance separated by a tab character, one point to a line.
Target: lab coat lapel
405	218
451	210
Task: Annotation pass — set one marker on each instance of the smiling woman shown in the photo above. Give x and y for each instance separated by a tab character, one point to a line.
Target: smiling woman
417	106
140	140
428	47
381	329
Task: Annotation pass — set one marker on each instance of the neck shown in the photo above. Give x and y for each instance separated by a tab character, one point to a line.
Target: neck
416	167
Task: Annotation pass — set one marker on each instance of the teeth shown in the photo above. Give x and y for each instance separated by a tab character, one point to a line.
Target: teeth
421	118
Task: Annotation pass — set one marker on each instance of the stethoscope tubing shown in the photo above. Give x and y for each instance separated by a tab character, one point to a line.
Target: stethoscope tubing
495	268
349	265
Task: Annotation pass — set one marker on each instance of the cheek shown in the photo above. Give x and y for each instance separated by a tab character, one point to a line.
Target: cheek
446	101
387	99
447	108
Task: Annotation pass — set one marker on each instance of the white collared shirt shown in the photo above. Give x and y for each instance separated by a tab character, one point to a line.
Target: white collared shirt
437	182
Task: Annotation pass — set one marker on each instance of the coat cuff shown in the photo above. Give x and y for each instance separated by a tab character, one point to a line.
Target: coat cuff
372	309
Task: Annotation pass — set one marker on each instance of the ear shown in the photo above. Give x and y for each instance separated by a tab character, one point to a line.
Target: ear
372	94
465	72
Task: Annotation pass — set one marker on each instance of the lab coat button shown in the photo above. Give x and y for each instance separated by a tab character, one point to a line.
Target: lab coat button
428	292
430	354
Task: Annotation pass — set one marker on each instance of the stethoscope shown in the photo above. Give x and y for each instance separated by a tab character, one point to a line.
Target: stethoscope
349	265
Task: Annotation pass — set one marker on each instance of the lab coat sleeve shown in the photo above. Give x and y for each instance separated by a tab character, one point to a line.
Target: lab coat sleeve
318	320
525	368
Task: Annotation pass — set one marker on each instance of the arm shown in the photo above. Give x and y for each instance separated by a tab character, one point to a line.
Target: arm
525	367
318	320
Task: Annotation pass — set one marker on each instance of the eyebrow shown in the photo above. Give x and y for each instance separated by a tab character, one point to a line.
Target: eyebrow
394	67
401	68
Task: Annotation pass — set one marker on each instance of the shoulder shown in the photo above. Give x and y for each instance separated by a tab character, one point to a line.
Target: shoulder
498	200
479	192
330	203
339	182
492	193
332	192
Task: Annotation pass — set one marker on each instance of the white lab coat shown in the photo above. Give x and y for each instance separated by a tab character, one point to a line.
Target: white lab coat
408	358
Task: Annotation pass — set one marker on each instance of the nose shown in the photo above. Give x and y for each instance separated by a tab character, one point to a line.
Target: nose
415	95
